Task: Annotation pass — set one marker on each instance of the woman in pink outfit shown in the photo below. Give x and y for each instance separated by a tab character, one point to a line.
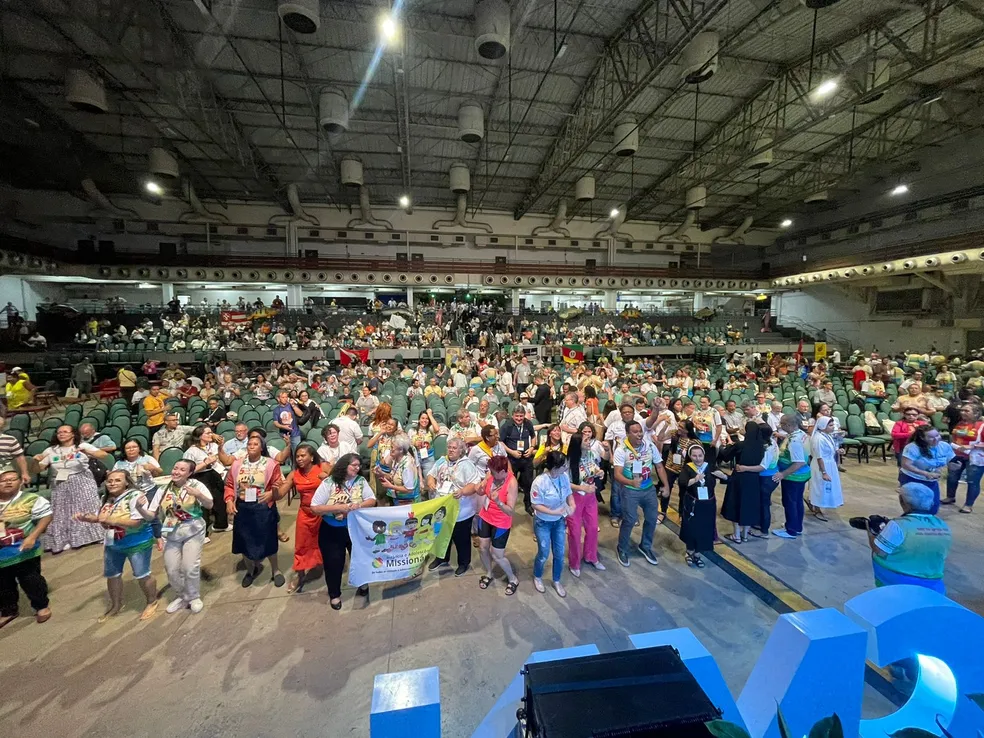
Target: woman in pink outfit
584	455
903	429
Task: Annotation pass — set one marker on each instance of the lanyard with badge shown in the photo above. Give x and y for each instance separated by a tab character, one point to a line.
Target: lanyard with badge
702	492
638	467
248	473
174	515
114	533
446	486
61	474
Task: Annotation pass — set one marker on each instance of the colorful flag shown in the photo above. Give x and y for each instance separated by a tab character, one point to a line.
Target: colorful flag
352	356
573	353
799	351
394	542
232	318
819	350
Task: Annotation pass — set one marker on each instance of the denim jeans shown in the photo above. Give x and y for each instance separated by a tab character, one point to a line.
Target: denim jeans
615	500
550	535
766	488
792	505
632	500
974	474
955	469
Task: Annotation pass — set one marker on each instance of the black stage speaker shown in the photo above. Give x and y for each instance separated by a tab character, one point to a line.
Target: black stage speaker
107	248
643	693
86	247
766	270
167	250
590	266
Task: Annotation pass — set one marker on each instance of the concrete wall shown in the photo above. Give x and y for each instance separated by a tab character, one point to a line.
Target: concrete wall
26	295
844	315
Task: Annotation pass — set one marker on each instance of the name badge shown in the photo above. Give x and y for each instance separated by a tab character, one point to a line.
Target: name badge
61	475
251	494
520	446
425	452
109	537
637	466
445	488
677	459
702	493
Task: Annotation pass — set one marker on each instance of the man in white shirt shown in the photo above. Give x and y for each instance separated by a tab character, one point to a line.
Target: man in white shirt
634	462
572	414
349	431
523	375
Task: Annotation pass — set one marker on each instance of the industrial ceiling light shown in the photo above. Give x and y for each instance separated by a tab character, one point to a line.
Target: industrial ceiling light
153	188
900	189
786	223
404	202
388	28
613	213
825	89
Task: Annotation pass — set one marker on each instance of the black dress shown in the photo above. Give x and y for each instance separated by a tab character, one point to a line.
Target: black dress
742	498
697	516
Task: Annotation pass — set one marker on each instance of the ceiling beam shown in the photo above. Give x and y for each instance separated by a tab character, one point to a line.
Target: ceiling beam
622	74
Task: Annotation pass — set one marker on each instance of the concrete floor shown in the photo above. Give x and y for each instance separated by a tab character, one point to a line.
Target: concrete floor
262	662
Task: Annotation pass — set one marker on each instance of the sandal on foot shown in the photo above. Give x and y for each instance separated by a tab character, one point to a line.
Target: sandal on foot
818	514
966	510
511	588
484	582
734	539
7	620
753	534
689	558
698	561
949	501
660	518
283	537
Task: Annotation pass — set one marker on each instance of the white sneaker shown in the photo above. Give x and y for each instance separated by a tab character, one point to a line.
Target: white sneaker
196	605
560	589
597	565
575	572
177	604
207	540
538	585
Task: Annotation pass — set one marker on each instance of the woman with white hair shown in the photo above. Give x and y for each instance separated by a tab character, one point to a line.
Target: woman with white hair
825	482
402	481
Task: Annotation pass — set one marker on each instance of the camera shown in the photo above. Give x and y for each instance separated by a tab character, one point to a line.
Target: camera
874	523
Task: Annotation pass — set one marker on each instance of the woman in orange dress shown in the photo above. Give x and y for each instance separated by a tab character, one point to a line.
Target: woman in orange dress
305	478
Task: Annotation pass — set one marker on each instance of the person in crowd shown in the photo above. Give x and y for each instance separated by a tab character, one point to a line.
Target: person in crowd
707	422
262	389
945	379
128	537
349	430
519	437
285	420
968	459
422	436
170	435
903	429
88	434
402	480
379	448
585	454
24	516
213	414
252	489
634	461
305	479
342	492
19	390
792	475
203	449
913	548
541	400
489	447
127	379
553	441
923	460
73	490
698	507
367	404
456	476
678	453
954	411
154	406
743	498
180	505
825	482
499	492
141	467
84	376
553	501
333	447
914	398
12	455
572	414
466	428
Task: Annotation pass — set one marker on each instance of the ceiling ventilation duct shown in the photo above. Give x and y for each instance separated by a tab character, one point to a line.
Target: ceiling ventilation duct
85	92
366	218
877	74
700	58
696	197
471	123
460	181
626	137
300	16
763	158
679	234
738	234
333	110
351	172
557	224
294	198
163	163
97	198
817	198
492	28
584	188
460	178
611	229
198	212
819	4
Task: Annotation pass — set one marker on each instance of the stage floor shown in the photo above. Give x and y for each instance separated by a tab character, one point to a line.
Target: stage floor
261	662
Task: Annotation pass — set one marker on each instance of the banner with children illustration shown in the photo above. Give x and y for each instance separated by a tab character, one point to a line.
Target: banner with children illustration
391	543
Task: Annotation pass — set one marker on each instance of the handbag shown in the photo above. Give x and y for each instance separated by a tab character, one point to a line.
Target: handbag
72	393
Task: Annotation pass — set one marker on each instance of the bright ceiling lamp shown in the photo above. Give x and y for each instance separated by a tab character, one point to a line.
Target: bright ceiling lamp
899	189
613	213
825	89
388	28
786	223
404	202
153	188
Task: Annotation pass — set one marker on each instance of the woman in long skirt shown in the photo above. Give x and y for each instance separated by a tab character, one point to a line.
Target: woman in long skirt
305	478
743	497
699	505
825	481
252	489
73	491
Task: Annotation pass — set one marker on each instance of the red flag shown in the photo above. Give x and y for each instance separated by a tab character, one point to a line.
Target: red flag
799	351
232	318
351	356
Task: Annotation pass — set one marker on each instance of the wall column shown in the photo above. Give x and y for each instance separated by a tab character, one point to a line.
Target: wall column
515	300
167	292
294	299
410	297
698	301
611	299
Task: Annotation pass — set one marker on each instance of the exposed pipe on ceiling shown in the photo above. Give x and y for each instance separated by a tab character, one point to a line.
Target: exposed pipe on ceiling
459	218
737	236
558	222
680	232
97	198
366	218
198	212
